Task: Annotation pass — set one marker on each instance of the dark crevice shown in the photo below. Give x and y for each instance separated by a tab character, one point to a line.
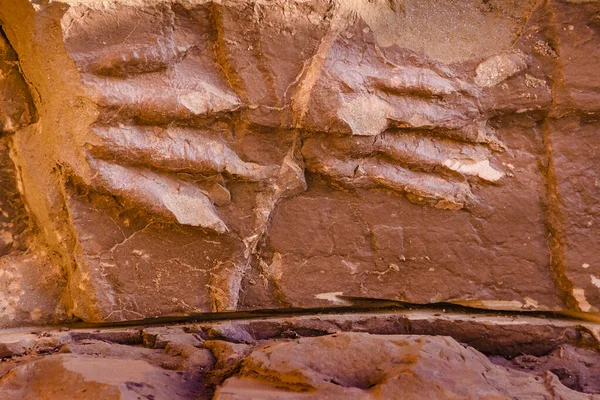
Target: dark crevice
356	305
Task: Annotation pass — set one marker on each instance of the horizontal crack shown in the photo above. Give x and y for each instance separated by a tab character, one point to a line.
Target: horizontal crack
355	305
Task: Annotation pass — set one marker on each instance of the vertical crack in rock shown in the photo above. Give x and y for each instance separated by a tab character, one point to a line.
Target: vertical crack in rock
233	78
339	20
291	180
574	298
225	283
288	181
271	275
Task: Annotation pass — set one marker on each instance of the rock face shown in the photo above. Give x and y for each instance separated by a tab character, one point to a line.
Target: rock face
122	364
171	161
572	365
81	377
31	279
360	366
99	370
171	157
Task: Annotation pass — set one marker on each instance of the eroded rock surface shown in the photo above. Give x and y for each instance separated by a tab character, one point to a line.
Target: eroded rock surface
571	364
173	157
84	377
177	158
362	366
200	360
31	279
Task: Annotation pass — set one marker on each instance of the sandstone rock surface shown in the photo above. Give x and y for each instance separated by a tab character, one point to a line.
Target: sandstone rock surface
360	366
176	157
168	163
84	377
120	364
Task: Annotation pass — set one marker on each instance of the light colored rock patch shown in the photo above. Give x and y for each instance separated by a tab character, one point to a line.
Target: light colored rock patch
416	77
15	344
498	68
332	297
10	293
481	169
366	115
188	204
6	237
9	124
532	82
208	99
492	304
579	295
595	281
194	211
419	120
530	303
291	179
107	371
195	102
437	29
274	270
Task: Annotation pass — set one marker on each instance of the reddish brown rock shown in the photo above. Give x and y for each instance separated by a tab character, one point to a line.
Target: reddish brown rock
360	366
237	155
16	344
31	290
575	35
84	377
333	364
571	137
572	365
105	370
228	356
159	338
492	334
169	158
575	193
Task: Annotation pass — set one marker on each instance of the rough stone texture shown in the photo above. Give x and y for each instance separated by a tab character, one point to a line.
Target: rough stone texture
177	158
120	364
16	112
16	105
573	30
85	377
508	336
31	281
574	366
360	366
63	365
196	156
576	151
14	218
491	334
